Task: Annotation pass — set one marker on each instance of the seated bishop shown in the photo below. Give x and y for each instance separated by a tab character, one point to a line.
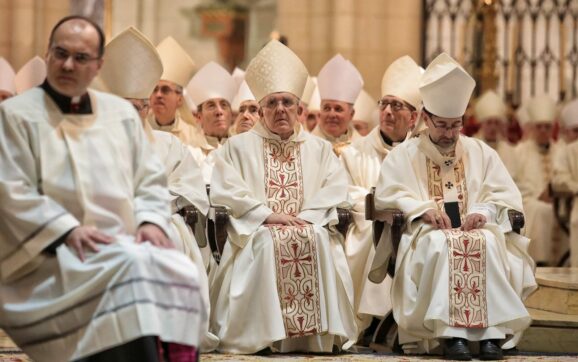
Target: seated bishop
131	69
283	282
461	273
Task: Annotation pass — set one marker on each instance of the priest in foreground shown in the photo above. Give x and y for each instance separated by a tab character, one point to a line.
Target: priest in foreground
88	272
283	282
461	273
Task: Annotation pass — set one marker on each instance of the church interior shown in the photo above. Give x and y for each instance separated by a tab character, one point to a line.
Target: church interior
520	50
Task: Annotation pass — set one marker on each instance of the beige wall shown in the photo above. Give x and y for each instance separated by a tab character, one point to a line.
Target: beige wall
370	33
25	26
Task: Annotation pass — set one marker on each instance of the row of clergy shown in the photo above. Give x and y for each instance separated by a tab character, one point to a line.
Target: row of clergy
281	186
337	109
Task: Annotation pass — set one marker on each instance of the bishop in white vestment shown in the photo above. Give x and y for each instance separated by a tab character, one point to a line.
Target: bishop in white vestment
362	161
461	273
283	281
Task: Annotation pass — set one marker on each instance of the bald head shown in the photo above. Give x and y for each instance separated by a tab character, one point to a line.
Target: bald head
79	23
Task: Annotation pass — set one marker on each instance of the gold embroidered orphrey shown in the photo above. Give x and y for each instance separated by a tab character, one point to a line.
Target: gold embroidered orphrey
295	247
467	256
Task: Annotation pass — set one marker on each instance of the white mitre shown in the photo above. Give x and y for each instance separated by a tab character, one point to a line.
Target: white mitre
541	109
132	66
402	79
212	81
276	69
243	94
569	114
446	87
490	105
339	80
31	75
364	107
7	75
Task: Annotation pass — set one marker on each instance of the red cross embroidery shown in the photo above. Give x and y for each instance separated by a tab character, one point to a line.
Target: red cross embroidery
296	259
282	185
467	255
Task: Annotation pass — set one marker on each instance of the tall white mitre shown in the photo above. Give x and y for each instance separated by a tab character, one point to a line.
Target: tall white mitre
243	94
569	114
31	75
446	87
212	81
402	79
276	69
339	80
309	89
490	105
364	107
178	67
7	77
541	109
132	66
238	75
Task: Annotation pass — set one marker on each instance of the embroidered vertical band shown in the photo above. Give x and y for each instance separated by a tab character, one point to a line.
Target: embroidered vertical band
297	279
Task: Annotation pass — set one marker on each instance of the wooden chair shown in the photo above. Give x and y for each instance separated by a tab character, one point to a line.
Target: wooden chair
394	219
563	203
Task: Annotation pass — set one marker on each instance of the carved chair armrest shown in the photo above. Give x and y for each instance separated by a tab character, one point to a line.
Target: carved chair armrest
190	214
516	220
345	218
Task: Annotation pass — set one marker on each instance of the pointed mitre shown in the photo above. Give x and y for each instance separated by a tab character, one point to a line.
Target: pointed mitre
243	94
7	76
309	88
569	114
276	69
339	80
402	79
446	87
541	109
364	107
490	105
211	81
132	66
178	67
315	102
239	76
522	115
31	75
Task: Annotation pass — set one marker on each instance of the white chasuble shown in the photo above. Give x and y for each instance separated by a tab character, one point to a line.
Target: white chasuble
450	283
288	285
362	161
339	143
60	171
186	187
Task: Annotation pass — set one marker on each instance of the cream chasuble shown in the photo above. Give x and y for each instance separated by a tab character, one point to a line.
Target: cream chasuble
202	151
289	286
533	174
187	133
450	283
505	150
186	187
362	161
60	171
566	180
338	143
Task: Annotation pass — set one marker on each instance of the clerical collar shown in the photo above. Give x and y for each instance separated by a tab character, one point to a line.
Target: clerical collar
68	105
386	139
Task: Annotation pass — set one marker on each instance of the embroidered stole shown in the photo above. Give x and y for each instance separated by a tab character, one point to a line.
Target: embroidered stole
294	246
466	250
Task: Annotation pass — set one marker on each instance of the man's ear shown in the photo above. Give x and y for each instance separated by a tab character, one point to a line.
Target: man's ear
299	109
260	112
180	100
413	119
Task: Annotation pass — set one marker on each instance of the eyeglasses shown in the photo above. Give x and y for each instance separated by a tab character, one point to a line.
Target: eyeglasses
272	102
165	90
62	54
453	128
251	109
395	105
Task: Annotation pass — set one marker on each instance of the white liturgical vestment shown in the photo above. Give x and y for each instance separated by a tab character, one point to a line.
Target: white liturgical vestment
60	171
283	287
450	283
362	161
